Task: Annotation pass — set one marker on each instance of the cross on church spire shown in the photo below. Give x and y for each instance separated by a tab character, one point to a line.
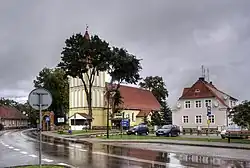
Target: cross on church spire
86	35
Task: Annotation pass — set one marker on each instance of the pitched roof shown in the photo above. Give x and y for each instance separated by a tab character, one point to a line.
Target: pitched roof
7	112
203	89
143	113
88	117
139	99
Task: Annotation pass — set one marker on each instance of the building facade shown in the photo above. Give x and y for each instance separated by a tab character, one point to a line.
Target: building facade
191	108
78	101
11	118
137	103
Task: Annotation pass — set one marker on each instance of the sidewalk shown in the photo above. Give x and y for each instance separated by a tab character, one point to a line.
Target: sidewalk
66	138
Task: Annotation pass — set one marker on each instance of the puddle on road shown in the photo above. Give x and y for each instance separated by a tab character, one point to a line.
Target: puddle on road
122	156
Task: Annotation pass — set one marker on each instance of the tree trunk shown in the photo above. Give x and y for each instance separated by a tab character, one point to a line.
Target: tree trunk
89	100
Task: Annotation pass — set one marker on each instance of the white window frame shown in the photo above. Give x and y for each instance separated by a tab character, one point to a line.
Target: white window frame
184	118
196	103
186	103
210	118
208	104
196	117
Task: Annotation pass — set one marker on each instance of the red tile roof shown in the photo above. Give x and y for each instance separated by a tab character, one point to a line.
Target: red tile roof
7	112
138	99
203	89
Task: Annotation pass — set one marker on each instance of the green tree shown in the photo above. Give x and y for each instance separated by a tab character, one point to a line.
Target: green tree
157	86
156	118
123	68
84	57
55	81
8	102
240	114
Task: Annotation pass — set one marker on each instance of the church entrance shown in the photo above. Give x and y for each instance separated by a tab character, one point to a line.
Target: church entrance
48	121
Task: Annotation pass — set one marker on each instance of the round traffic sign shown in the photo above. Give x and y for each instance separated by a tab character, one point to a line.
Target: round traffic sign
40	98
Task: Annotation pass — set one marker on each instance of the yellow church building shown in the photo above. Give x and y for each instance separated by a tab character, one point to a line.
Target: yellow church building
137	103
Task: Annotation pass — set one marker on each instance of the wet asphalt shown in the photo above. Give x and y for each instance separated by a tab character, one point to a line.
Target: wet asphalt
21	148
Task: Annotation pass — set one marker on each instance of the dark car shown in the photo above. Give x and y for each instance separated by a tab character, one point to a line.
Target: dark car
168	130
138	130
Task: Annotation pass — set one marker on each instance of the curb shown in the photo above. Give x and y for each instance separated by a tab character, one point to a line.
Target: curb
182	143
64	140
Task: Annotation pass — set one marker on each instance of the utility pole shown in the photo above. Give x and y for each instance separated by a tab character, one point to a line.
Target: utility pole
208	119
108	97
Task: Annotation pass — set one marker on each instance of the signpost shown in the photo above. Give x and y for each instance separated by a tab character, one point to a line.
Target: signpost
40	99
208	119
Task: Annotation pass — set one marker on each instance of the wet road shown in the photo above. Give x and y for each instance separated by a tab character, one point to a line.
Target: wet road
16	148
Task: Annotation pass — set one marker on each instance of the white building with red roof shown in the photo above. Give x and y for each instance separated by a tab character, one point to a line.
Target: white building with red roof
191	108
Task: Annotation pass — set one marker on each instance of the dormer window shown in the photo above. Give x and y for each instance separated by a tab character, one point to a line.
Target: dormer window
197	91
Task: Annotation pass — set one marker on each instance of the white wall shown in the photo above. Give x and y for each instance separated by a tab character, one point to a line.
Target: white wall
219	113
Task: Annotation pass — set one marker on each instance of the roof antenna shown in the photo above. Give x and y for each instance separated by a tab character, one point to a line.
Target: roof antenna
203	72
208	74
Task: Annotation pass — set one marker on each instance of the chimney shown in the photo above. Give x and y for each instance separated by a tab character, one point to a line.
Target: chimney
202	78
211	83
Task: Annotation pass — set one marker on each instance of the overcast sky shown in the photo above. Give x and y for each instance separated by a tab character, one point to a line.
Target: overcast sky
173	37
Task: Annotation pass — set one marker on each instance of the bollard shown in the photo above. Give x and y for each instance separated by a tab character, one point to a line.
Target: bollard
228	137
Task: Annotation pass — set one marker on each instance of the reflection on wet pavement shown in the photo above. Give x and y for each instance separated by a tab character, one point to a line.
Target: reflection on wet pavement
161	159
107	156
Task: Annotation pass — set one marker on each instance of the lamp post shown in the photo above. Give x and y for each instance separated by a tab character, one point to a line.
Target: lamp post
21	119
110	93
27	115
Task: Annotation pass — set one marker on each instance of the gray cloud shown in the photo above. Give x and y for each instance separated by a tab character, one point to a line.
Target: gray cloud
174	38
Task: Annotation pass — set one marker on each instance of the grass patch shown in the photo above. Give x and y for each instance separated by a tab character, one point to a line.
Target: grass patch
74	132
47	166
205	139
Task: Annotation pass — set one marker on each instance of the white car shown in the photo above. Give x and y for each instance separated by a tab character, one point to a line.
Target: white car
230	128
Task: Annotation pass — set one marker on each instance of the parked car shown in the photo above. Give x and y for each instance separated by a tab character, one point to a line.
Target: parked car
138	130
168	130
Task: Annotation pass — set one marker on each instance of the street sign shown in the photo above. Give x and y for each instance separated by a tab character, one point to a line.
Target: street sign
40	96
60	120
47	119
125	123
208	110
208	121
40	99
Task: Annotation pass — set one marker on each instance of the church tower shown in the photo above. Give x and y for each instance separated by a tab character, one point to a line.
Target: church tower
78	102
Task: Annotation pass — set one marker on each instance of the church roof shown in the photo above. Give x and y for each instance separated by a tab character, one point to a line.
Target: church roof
139	99
7	112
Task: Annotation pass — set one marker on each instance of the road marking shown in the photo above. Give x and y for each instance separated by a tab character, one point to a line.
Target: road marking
83	150
7	145
17	149
47	160
70	147
63	164
34	156
10	147
23	152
